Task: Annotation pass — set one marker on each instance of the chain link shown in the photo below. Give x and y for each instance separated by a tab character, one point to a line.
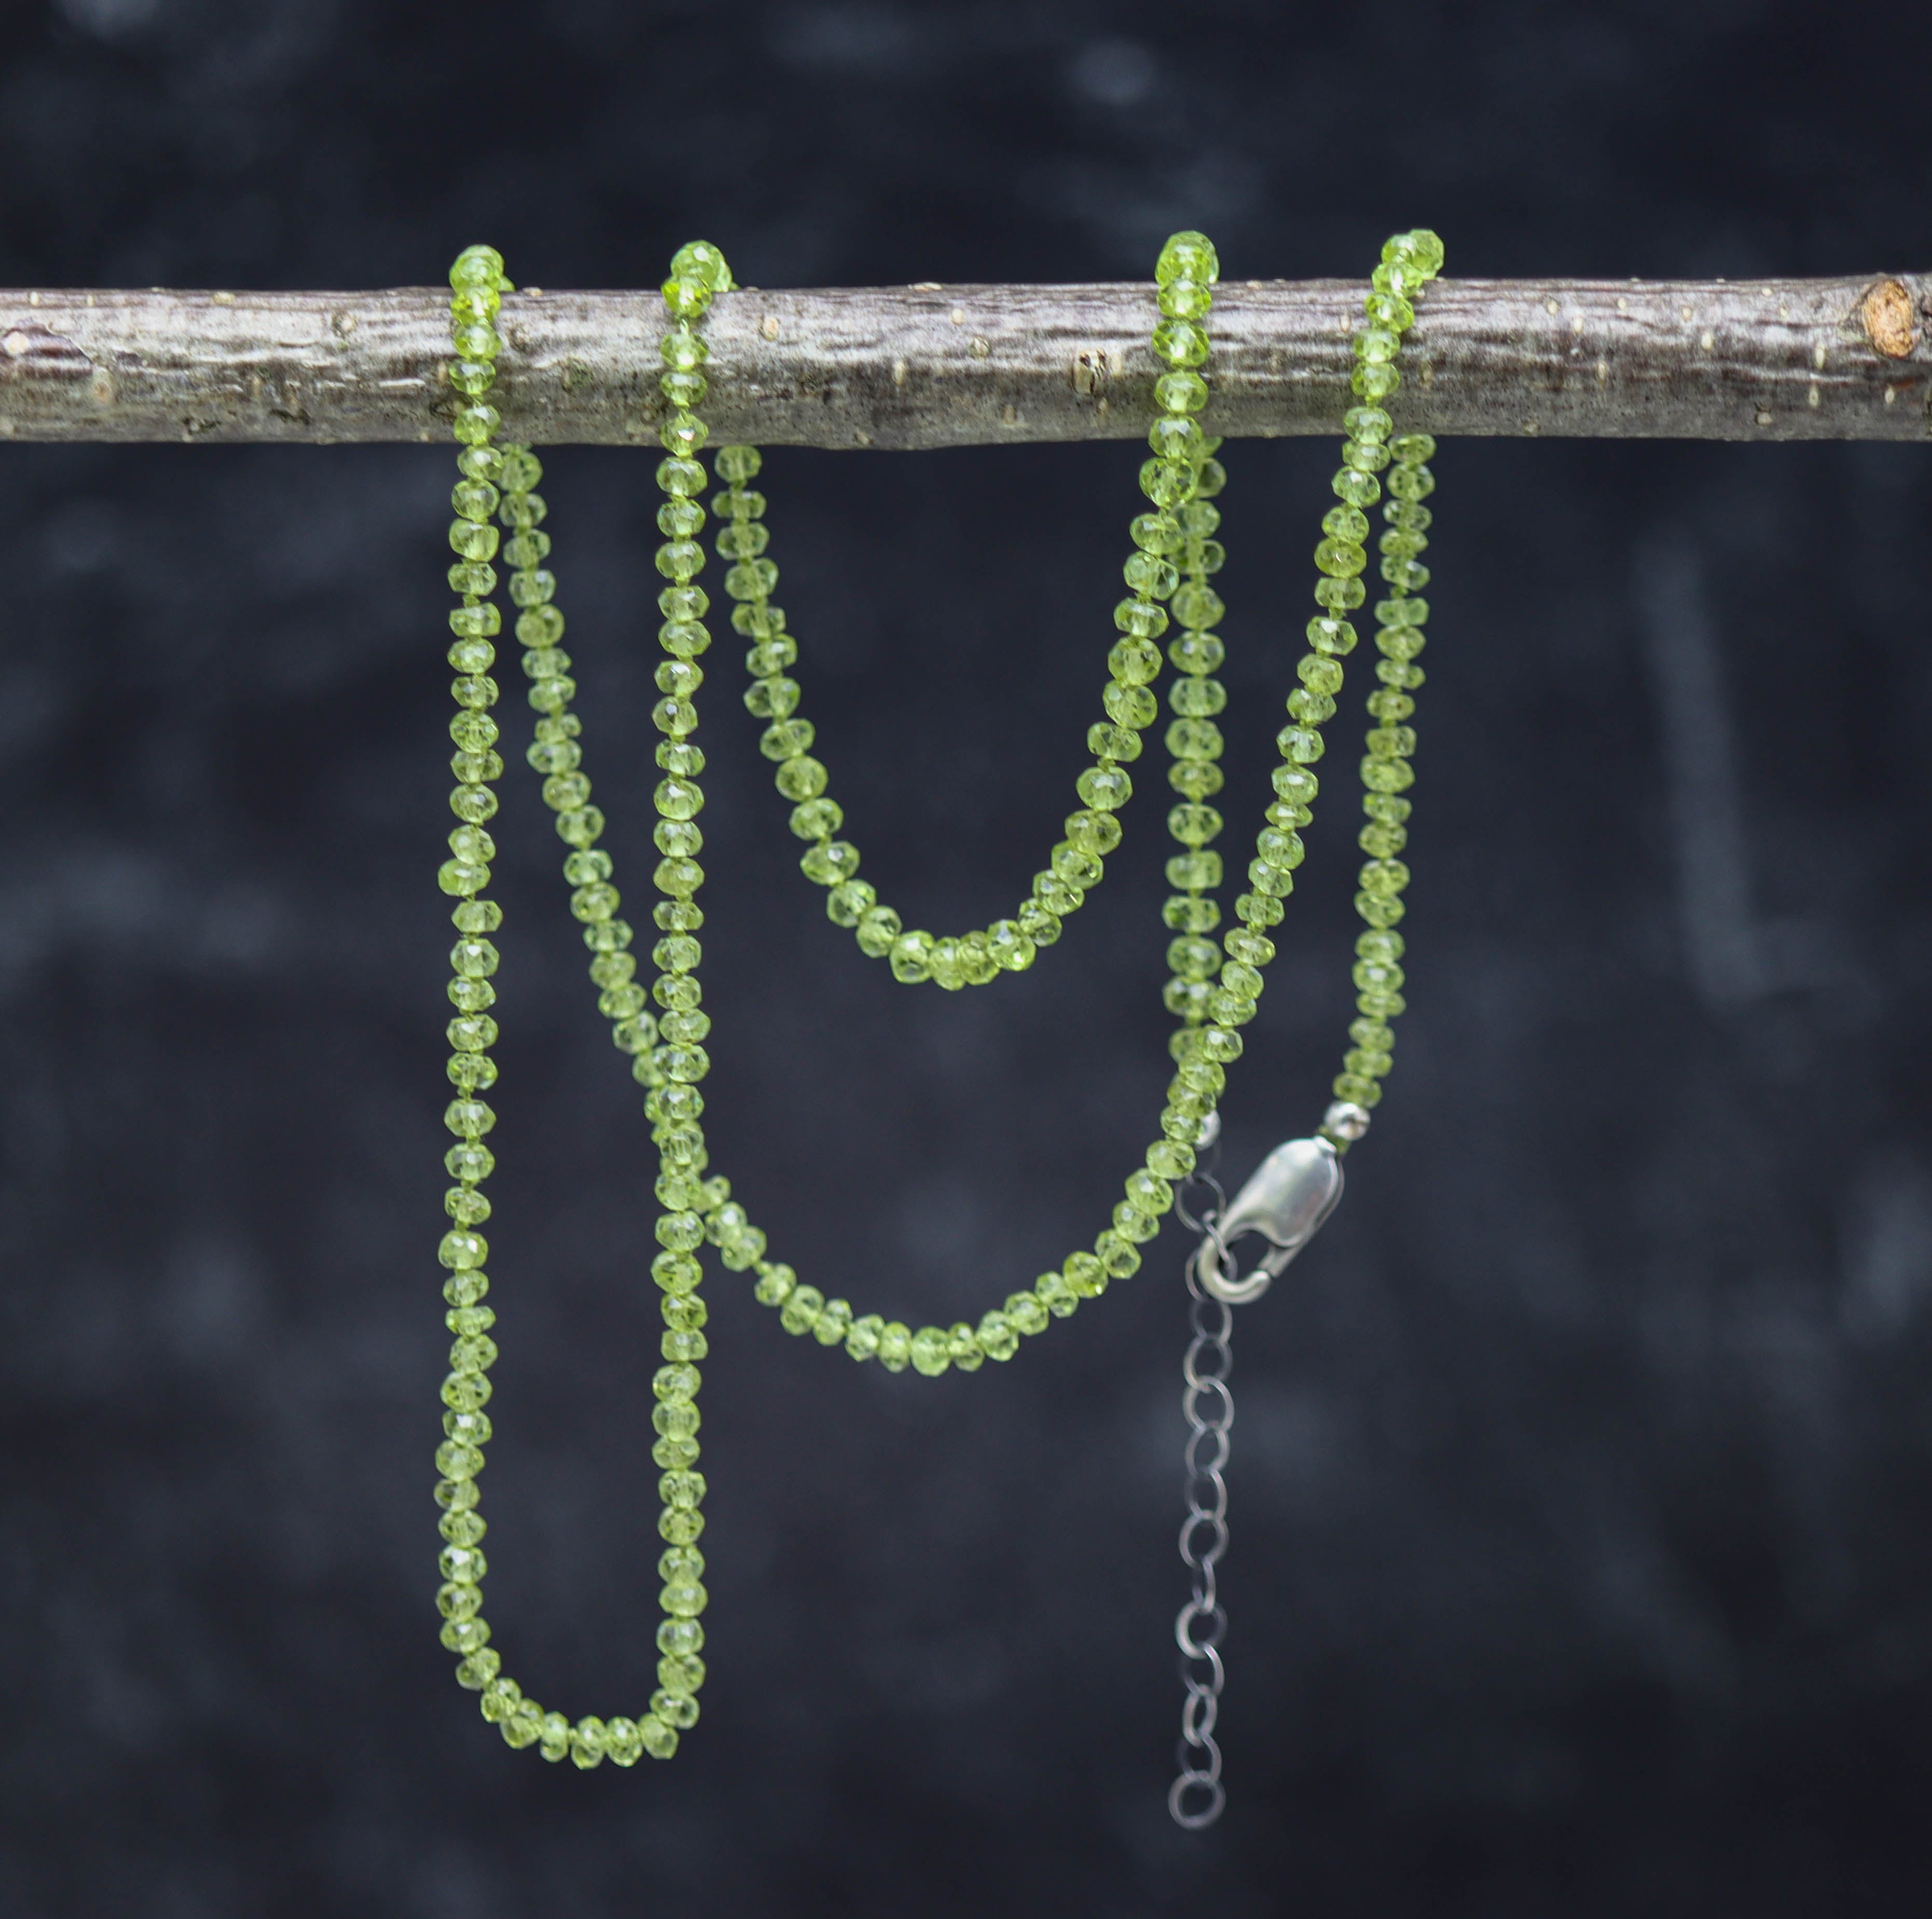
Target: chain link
1197	1796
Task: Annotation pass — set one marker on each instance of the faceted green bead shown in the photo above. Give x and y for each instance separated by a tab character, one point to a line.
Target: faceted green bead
800	1312
1187	999
1117	1254
680	476
1194	826
1173	436
828	864
912	958
1196	779
699	260
963	1348
658	1739
1195	740
948	965
1169	1159
1127	706
1024	1313
1180	342
930	1352
1092	832
1054	1292
623	1744
1008	948
1168	484
849	901
862	1339
1220	1045
1338	593
677	1709
776	1284
1196	652
1038	923
817	819
1188	256
1185	299
1180	392
1149	1192
877	929
1357	489
1194	958
1104	788
1148	573
1197	698
1195	872
895	1345
477	267
1075	868
775	697
1086	1277
800	776
1197	605
1158	532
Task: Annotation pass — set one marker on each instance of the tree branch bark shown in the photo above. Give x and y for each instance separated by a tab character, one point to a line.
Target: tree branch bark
931	366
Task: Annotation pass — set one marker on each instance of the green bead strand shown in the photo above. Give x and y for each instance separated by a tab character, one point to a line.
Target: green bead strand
1215	990
500	481
1409	262
1185	277
1173	553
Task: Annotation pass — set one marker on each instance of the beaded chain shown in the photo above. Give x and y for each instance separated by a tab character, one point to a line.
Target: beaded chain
1214	989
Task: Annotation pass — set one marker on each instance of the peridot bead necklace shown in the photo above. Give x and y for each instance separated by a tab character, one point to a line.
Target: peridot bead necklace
1213	991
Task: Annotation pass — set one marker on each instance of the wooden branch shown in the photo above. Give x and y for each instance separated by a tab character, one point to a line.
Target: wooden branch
931	366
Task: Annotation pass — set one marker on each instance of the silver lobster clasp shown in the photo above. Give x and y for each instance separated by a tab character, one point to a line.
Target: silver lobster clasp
1293	1190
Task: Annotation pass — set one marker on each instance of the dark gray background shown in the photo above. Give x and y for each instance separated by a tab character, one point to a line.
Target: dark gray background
1583	1470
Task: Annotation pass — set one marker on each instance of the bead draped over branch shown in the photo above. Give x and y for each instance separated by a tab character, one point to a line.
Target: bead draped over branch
931	366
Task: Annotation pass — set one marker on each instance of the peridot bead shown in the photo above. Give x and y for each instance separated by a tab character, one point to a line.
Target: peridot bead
1188	256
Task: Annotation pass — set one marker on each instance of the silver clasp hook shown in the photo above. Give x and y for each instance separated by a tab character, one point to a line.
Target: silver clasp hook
1293	1191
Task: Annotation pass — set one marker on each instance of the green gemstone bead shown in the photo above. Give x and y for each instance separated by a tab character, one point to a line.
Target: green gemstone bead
1182	392
1086	1277
931	1351
1180	342
1197	697
1185	299
1159	532
1189	256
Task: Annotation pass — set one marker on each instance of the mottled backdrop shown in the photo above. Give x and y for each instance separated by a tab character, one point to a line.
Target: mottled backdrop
1582	1488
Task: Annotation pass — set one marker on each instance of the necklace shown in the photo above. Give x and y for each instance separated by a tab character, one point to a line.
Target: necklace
1214	990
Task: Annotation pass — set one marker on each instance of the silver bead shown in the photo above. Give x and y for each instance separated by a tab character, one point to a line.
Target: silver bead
1344	1120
